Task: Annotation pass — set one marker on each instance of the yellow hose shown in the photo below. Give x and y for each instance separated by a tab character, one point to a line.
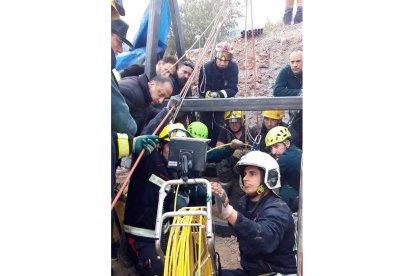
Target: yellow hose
187	246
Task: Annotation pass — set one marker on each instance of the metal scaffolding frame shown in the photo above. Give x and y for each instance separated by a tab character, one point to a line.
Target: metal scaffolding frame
243	104
153	32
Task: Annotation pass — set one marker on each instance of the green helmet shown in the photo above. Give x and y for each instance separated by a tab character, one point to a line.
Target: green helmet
198	130
276	135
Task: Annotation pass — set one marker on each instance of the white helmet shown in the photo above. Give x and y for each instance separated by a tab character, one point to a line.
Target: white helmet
263	161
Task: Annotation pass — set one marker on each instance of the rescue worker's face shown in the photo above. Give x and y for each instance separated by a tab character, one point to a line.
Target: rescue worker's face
165	69
296	62
278	149
184	73
159	91
251	180
116	44
222	64
270	122
235	126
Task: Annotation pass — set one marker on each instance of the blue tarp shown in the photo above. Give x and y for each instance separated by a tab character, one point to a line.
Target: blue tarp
140	40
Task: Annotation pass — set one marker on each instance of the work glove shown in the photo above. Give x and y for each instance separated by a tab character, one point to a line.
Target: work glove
222	209
236	144
238	154
212	94
146	142
174	100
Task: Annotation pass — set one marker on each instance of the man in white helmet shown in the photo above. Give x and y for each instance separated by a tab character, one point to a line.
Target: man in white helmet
263	222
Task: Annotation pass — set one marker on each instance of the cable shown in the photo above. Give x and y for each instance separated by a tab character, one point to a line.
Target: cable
187	250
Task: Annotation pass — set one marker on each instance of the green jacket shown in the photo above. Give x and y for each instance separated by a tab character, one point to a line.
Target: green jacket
121	119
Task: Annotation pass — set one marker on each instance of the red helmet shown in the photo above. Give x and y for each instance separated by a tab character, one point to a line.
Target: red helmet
224	51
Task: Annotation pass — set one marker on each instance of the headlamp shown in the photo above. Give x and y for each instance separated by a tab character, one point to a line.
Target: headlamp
224	56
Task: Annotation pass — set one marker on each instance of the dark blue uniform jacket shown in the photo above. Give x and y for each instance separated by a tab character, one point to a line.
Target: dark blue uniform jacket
289	164
212	78
266	236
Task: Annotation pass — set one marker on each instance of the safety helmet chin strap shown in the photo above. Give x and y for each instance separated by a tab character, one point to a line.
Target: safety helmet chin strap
261	192
261	189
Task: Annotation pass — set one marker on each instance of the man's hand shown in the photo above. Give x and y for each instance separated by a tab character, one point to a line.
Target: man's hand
212	94
221	195
218	191
174	100
238	154
236	144
146	142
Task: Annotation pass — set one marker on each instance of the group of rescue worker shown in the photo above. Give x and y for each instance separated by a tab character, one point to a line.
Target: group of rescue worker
258	169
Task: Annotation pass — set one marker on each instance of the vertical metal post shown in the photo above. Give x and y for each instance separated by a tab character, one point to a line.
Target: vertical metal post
300	227
176	24
152	38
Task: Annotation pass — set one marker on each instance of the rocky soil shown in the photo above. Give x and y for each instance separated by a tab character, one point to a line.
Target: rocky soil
272	50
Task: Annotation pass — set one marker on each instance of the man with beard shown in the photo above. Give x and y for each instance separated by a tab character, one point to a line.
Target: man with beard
185	69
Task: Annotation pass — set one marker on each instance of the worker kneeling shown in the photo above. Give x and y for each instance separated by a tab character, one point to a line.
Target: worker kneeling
263	223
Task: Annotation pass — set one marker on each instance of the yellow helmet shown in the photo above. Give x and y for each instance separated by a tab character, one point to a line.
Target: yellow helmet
173	130
276	135
233	116
274	114
117	9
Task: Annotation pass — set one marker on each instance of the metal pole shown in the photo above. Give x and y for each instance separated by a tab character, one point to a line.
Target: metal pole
176	24
152	38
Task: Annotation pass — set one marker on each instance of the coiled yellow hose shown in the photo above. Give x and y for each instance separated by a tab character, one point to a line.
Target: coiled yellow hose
187	249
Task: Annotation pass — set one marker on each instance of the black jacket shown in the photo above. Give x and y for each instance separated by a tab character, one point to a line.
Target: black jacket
266	236
142	200
138	98
212	78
